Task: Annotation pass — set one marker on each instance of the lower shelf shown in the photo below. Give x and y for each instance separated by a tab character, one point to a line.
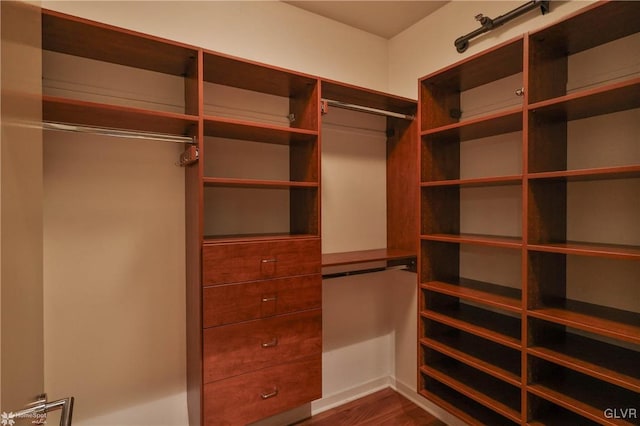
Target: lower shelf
545	413
465	408
575	392
498	396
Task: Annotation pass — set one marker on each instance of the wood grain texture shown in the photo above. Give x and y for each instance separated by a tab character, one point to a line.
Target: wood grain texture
239	400
385	407
240	348
226	304
251	261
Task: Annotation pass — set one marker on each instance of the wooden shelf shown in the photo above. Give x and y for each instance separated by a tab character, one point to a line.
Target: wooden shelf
251	131
250	75
509	299
460	405
588	103
555	415
602	173
476	182
350	94
498	396
589	249
484	356
484	240
575	392
496	124
257	183
493	326
217	239
94	40
603	361
364	256
597	319
70	111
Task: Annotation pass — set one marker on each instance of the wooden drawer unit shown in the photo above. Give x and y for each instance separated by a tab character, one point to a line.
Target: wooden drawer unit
239	262
249	397
230	303
240	348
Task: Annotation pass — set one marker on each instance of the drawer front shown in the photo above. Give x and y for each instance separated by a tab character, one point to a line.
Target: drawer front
231	303
250	397
240	348
240	262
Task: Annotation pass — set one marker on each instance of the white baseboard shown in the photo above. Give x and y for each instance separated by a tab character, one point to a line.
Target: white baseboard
347	395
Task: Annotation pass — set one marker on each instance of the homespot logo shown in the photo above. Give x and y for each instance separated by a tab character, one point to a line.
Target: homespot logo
621	413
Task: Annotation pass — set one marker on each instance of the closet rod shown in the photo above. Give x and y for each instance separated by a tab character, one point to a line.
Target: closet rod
345	105
118	133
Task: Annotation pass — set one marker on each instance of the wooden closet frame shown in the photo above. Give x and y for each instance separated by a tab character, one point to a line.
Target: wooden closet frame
506	356
301	260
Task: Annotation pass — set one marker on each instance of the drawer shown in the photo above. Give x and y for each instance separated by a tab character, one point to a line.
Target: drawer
231	303
239	262
240	348
250	397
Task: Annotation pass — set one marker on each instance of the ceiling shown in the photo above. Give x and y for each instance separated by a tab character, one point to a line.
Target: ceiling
383	18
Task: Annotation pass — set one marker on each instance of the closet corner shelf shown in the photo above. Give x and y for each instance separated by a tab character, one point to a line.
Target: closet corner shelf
72	111
475	182
484	240
489	325
489	294
589	249
350	94
242	238
495	124
619	96
600	173
470	390
604	361
364	256
257	183
469	356
597	319
258	132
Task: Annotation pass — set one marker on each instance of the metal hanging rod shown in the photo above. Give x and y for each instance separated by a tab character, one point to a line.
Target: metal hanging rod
353	107
118	133
488	24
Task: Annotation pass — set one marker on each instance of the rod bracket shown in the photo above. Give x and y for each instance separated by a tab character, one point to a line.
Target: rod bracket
189	156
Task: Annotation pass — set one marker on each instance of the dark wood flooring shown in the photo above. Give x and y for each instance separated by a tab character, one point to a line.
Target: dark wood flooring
386	407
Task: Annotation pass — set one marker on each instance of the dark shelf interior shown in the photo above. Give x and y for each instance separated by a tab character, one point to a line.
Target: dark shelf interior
546	413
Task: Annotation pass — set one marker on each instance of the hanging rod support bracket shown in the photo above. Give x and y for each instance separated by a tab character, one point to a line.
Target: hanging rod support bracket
488	24
189	156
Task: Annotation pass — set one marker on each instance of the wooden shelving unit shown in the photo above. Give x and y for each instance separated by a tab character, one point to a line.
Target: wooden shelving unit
566	358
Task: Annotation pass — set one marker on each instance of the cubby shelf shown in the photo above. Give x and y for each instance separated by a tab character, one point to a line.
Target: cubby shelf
484	240
478	386
473	352
588	103
574	392
489	294
257	183
600	173
258	132
598	319
466	408
476	182
589	249
603	361
71	111
493	326
482	127
554	415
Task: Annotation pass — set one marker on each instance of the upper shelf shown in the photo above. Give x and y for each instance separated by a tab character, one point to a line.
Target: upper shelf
367	98
258	132
244	74
79	37
62	110
496	124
